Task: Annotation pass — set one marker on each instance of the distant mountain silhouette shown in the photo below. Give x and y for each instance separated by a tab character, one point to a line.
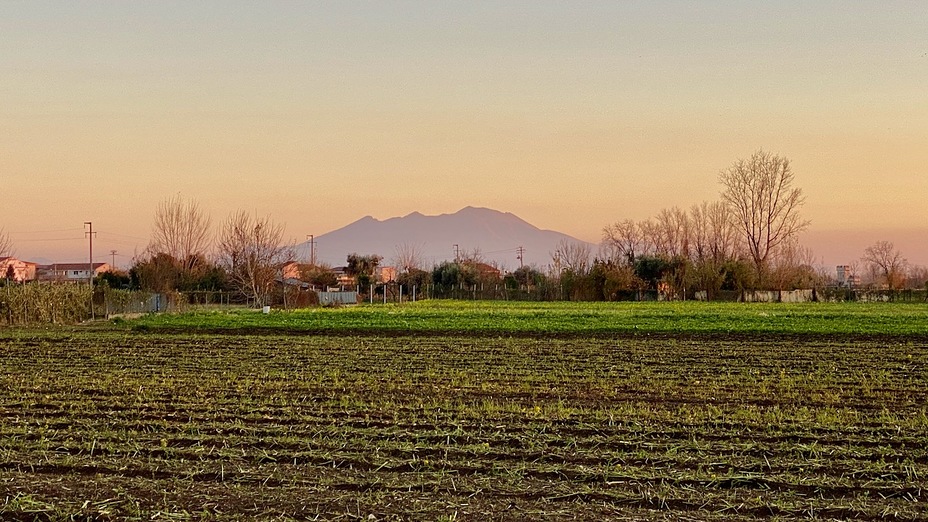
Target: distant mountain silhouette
497	235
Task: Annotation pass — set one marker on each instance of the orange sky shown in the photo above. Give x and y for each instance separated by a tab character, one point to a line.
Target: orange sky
570	115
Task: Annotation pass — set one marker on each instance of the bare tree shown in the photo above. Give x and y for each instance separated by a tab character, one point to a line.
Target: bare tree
712	233
181	230
624	239
887	263
672	233
408	256
6	245
764	204
649	232
794	267
252	251
917	277
573	256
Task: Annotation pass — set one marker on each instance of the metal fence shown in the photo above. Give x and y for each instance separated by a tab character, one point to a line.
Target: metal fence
338	298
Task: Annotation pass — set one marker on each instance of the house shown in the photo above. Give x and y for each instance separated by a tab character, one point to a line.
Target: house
484	271
344	280
17	270
70	272
291	270
385	274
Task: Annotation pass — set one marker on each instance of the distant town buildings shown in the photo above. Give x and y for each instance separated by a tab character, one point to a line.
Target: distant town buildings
74	272
20	271
846	278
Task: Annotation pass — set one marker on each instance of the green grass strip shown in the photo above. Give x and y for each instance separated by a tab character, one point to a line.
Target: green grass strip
438	316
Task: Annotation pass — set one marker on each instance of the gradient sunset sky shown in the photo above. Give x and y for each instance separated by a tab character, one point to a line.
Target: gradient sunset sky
571	115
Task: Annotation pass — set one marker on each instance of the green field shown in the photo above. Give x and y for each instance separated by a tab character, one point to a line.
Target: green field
517	318
463	411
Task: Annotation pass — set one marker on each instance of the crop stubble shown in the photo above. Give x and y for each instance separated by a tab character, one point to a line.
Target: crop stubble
125	424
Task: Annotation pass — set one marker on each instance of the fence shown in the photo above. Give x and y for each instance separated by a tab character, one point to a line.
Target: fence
337	298
872	296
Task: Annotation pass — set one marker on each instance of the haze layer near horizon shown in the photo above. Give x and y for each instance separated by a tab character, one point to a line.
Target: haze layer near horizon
570	115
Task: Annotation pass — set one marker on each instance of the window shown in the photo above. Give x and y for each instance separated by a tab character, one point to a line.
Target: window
76	272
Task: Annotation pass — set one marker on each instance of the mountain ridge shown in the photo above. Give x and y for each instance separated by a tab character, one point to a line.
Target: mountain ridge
496	235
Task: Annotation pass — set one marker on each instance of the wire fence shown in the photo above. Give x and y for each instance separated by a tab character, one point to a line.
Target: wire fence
44	303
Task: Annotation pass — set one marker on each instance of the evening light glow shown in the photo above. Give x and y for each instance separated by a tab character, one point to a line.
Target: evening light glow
571	115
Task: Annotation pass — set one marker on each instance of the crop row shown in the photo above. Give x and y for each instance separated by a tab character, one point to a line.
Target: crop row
123	425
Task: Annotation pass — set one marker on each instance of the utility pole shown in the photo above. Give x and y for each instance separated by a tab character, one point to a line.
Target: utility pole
312	249
113	253
90	233
521	255
457	252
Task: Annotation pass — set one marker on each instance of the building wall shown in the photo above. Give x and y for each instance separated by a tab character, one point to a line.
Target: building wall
22	270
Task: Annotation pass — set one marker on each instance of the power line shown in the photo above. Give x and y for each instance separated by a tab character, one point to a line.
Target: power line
51	239
46	231
123	235
502	251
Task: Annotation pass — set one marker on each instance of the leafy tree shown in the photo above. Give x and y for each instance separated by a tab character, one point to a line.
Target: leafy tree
677	275
114	279
318	275
156	273
10	274
526	277
362	268
650	270
414	277
451	273
739	275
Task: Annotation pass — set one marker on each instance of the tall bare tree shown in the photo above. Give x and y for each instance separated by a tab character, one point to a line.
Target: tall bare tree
408	256
712	233
181	230
573	256
887	263
917	277
672	238
6	245
624	239
252	250
712	245
793	267
764	204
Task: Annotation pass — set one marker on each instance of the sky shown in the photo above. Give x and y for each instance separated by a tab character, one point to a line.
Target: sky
571	115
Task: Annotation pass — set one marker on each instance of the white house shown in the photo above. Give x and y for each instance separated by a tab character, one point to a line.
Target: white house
73	272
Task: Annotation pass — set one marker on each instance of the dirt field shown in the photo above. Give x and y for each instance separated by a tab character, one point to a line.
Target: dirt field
121	425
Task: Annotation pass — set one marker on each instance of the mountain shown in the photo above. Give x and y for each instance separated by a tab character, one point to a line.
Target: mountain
497	236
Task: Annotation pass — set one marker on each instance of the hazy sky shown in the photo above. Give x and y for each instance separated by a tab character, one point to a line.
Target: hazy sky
571	115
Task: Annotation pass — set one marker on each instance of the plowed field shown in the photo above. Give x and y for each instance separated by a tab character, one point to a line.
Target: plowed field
121	425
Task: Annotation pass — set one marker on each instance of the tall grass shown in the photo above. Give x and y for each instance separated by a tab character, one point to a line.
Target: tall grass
36	303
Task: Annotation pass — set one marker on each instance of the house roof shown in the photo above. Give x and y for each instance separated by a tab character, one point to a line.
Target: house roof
71	266
11	258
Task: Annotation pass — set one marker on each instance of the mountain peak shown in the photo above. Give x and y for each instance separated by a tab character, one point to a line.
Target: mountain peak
497	235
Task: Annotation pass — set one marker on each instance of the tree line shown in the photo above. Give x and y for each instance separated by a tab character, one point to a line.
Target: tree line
746	240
